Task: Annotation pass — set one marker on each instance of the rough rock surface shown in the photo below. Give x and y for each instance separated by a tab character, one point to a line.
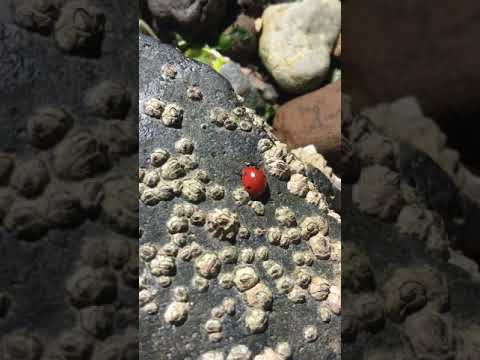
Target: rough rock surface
68	238
219	271
402	298
297	41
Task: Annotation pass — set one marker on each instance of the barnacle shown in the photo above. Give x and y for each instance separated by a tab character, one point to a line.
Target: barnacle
245	278
184	146
80	27
36	15
222	224
208	265
109	99
81	155
47	126
154	107
31	178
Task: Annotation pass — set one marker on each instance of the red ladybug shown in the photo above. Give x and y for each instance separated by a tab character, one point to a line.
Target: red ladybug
254	181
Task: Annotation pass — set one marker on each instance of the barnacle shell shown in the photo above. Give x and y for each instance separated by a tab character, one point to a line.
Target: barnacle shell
292	235
176	312
188	162
218	116
180	293
30	178
320	246
193	190
245	125
222	224
184	146
319	288
109	99
229	254
258	207
409	290
198	218
256	320
120	206
302	277
239	352
201	175
246	256
79	27
285	217
158	157
169	71
260	296
194	93
436	343
310	333
63	209
225	280
154	107
25	221
36	15
208	265
245	278
264	145
80	156
297	295
200	283
278	168
314	225
91	287
172	115
318	199
172	170
120	137
162	266
213	326
240	196
215	192
284	284
334	300
357	274
147	251
177	225
47	126
261	253
296	167
273	269
298	185
243	232
378	192
274	235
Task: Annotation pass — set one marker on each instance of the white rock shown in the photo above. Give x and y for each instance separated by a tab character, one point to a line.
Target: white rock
297	40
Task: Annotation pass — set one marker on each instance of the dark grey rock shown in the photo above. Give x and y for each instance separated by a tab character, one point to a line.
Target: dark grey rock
72	242
194	16
221	153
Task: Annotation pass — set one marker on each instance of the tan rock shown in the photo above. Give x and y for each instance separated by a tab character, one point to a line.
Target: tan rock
314	118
